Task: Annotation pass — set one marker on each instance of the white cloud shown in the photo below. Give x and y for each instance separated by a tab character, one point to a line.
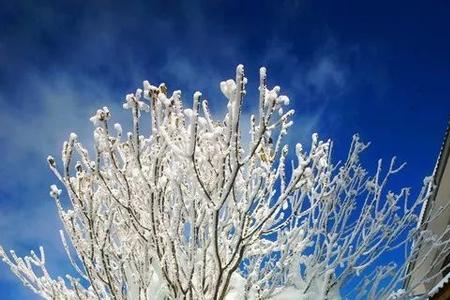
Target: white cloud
58	104
326	74
191	75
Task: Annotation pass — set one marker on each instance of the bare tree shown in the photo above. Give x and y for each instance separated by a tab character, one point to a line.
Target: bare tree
191	211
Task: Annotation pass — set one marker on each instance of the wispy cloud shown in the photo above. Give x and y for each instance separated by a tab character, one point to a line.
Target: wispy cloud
52	106
314	83
326	75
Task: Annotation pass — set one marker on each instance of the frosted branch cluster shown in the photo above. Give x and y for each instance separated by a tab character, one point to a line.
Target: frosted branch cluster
190	211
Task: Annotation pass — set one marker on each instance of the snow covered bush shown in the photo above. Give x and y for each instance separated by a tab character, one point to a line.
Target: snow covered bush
192	211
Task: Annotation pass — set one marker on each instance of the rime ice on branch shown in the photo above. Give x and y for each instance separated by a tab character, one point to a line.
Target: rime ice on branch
188	212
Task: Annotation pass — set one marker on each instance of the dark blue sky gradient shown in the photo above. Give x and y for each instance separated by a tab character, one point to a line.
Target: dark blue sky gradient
381	69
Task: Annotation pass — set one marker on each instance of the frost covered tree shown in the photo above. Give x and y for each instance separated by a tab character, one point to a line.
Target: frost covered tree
197	209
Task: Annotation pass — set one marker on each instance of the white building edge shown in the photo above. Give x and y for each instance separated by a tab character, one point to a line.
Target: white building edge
439	286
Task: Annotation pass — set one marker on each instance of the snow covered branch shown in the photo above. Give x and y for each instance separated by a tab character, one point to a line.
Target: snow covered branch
188	211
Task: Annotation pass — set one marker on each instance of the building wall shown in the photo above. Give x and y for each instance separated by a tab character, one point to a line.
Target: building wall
437	226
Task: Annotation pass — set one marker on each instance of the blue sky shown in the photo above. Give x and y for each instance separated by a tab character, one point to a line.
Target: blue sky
381	69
